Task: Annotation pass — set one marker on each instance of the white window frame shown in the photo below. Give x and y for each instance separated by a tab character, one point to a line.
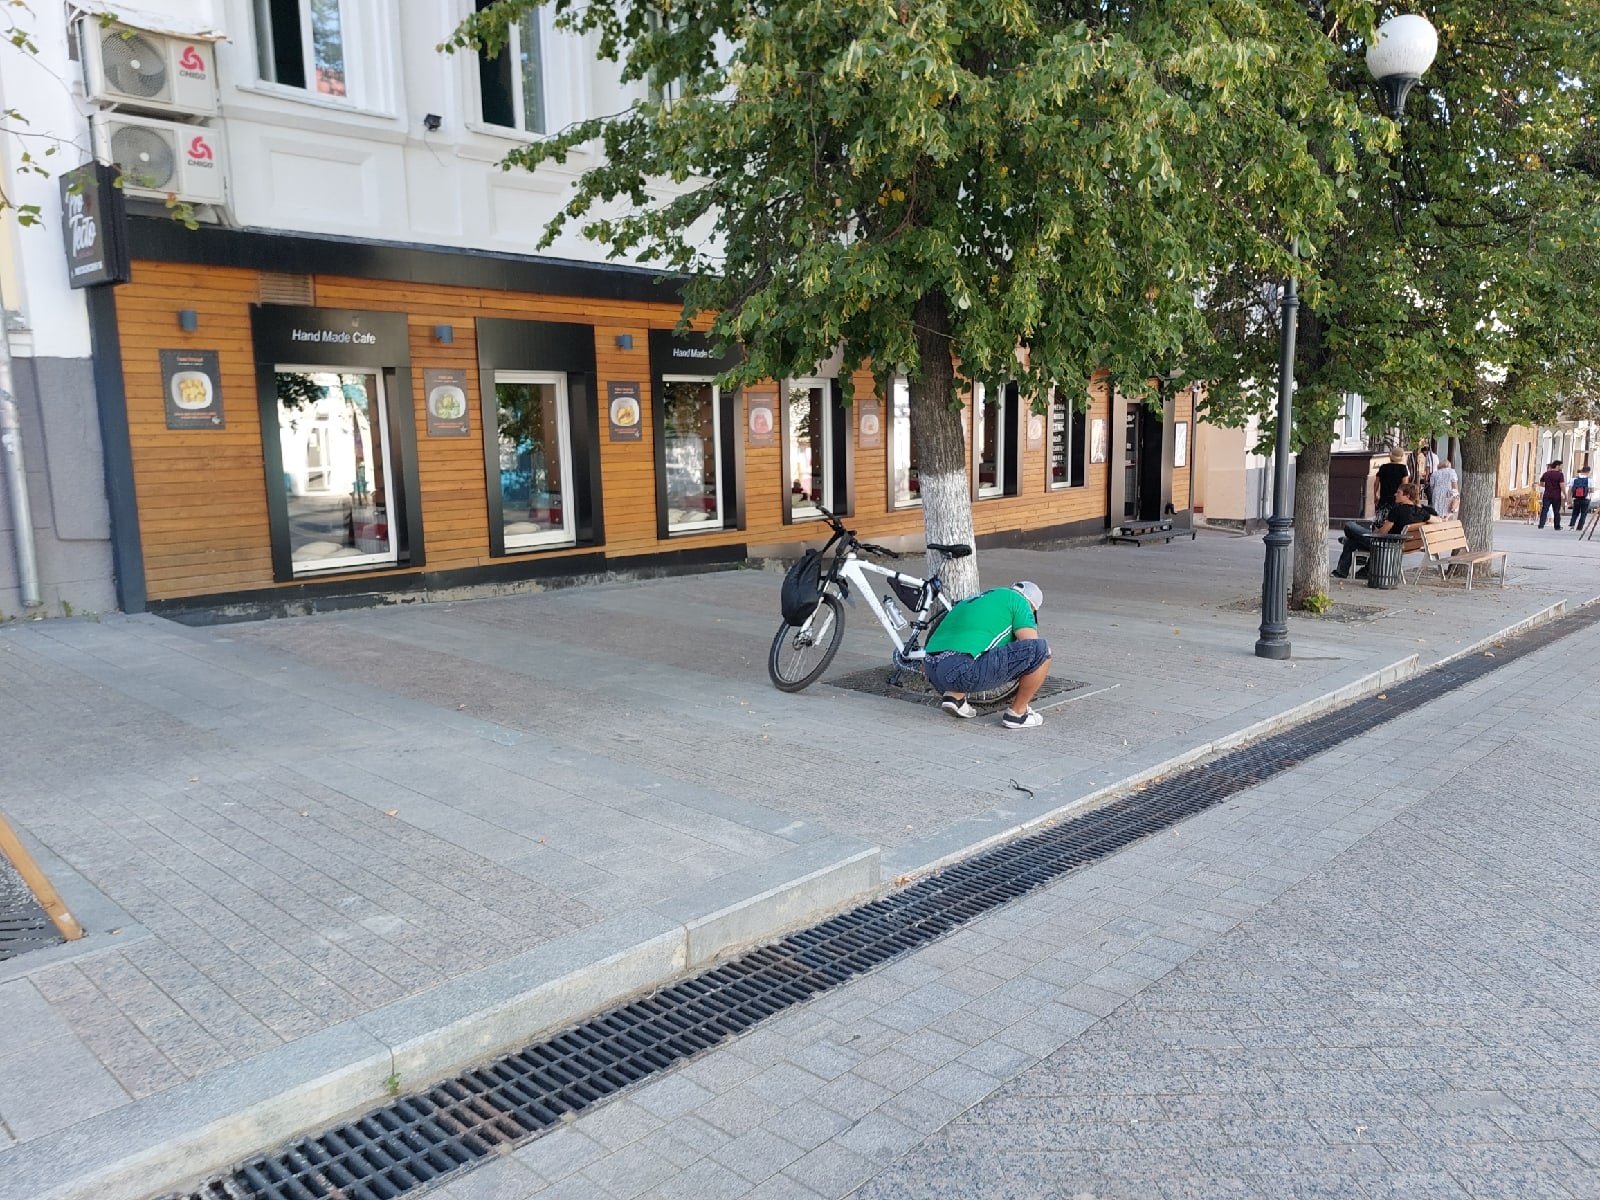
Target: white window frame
350	561
716	442
988	491
522	542
897	389
261	23
519	106
825	387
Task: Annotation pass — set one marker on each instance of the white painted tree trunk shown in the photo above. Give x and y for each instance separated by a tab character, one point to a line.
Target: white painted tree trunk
947	518
1480	458
936	427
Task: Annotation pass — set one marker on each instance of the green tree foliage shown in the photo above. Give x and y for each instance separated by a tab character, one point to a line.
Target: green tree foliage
929	184
1455	289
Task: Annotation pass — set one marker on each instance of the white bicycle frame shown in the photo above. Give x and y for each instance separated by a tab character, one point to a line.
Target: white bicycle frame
855	570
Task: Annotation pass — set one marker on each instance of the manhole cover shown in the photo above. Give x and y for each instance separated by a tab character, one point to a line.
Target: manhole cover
875	682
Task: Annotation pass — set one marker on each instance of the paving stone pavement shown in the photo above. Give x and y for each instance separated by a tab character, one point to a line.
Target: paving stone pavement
1376	975
306	821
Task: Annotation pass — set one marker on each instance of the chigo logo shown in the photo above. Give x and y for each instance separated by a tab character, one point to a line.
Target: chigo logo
191	63
200	152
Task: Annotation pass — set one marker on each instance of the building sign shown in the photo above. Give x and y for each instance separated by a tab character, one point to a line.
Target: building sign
192	386
1097	440
446	392
1180	444
869	422
627	416
761	417
328	337
1035	431
93	226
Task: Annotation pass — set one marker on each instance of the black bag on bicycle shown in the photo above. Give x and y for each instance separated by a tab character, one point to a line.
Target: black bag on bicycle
802	587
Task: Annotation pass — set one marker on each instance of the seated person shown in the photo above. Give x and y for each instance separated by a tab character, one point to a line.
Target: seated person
1407	510
984	643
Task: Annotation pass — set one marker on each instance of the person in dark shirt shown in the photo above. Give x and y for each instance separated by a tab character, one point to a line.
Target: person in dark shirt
1554	483
1390	476
1406	511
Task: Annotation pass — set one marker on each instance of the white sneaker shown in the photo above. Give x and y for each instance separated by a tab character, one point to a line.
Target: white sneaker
958	708
1028	720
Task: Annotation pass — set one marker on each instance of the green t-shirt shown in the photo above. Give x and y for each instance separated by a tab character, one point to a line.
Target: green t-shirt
985	621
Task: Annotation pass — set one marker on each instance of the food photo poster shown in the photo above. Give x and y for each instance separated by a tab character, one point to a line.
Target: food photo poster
192	386
448	412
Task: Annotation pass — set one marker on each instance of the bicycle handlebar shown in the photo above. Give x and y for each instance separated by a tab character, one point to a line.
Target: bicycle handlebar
871	549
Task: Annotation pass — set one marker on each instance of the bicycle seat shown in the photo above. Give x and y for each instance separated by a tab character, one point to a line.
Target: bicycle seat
950	551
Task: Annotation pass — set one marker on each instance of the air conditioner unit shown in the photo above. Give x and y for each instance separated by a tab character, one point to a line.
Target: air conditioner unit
156	72
162	158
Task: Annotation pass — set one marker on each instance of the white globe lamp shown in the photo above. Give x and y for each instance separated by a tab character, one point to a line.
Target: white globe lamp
1405	48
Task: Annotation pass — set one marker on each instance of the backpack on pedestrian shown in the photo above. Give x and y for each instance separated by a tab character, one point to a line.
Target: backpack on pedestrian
1580	487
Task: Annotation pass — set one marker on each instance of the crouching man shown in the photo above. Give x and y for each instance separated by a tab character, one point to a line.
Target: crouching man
986	642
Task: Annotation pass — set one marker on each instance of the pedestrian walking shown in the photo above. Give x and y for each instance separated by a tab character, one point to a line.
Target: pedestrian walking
1427	463
1554	484
1579	492
1440	484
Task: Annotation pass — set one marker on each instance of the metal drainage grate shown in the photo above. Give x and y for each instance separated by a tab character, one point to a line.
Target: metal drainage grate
420	1139
24	925
874	681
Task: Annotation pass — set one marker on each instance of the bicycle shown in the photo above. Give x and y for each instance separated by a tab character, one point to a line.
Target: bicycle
813	624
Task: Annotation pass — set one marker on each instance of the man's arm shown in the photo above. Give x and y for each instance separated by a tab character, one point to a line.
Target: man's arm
1026	633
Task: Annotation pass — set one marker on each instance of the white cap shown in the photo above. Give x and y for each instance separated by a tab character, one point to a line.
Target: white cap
1030	592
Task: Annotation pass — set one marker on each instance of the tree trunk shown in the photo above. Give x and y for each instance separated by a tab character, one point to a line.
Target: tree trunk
1480	467
1311	521
943	479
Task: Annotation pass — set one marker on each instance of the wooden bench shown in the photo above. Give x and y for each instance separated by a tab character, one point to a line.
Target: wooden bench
1447	547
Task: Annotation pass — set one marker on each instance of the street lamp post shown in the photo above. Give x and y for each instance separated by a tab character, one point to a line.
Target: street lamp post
1404	49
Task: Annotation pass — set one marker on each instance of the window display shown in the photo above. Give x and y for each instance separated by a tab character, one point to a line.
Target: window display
333	432
691	423
535	459
808	441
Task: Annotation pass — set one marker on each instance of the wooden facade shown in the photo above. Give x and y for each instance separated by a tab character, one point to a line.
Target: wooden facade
203	495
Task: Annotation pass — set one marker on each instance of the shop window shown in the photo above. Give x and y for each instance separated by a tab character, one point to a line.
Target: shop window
333	432
1068	443
301	44
808	432
989	440
512	83
691	421
904	488
536	495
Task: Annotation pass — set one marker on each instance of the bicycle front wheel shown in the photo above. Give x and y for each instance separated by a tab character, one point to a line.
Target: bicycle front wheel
801	653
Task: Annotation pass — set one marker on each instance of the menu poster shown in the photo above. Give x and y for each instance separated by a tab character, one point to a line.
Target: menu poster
870	424
1097	440
1180	445
1035	431
448	412
192	386
763	417
622	401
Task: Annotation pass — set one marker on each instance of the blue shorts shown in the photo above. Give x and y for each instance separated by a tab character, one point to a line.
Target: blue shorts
952	671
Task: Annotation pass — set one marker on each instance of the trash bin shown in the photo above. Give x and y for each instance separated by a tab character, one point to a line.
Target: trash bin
1383	560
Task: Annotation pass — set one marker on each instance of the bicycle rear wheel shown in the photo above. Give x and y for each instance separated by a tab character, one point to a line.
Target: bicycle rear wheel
801	653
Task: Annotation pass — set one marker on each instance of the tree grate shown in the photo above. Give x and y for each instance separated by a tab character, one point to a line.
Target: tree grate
24	925
420	1139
